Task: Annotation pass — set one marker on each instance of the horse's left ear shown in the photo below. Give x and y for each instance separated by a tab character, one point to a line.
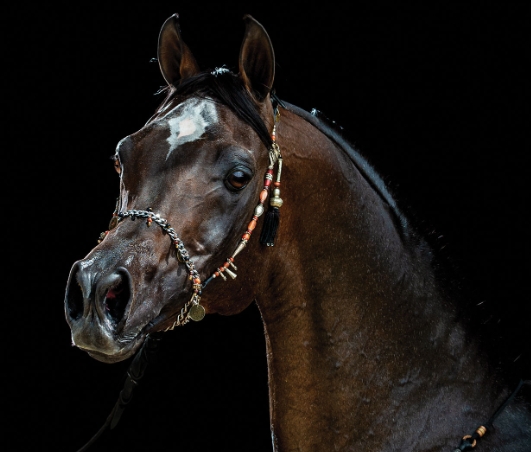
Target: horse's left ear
257	59
176	61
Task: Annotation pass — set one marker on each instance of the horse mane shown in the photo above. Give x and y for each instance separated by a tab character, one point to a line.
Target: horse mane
422	244
330	129
450	281
227	88
451	284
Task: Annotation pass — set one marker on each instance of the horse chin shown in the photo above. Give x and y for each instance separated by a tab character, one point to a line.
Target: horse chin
118	354
108	359
104	344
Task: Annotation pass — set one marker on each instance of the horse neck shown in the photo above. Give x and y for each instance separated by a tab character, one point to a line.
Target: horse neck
354	320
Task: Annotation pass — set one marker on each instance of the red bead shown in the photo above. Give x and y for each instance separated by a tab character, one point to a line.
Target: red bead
226	265
216	274
251	225
246	236
263	195
267	182
276	184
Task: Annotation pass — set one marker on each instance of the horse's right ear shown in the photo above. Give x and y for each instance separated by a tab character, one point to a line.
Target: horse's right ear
257	59
176	61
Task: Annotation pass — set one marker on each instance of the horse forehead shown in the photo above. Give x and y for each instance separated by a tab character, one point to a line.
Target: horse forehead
188	121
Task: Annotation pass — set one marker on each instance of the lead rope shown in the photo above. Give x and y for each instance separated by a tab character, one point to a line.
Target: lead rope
134	374
192	310
469	442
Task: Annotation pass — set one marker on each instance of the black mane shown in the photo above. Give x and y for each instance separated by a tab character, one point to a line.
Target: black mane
227	88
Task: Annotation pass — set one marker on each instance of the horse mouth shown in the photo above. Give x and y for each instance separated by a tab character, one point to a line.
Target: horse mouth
130	343
102	346
127	351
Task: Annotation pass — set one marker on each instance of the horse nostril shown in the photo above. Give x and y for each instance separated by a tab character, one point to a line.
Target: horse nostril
74	298
116	299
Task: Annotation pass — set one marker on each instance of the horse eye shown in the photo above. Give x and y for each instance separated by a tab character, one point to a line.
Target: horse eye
238	179
117	166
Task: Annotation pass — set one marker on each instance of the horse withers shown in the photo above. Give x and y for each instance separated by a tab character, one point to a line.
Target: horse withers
229	196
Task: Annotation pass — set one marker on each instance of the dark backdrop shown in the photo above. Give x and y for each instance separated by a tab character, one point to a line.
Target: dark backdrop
434	96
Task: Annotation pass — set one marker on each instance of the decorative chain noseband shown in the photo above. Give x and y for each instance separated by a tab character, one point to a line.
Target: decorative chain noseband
192	310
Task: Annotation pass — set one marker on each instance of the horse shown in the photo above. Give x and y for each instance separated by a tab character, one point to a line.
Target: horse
366	348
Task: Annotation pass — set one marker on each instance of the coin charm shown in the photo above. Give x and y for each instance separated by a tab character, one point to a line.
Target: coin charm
197	312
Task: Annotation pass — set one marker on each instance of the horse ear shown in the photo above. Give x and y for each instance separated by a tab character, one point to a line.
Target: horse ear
257	59
176	61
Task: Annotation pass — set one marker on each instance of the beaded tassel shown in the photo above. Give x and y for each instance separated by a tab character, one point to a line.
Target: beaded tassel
271	221
272	218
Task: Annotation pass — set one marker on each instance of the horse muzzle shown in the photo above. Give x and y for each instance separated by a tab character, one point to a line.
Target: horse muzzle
97	307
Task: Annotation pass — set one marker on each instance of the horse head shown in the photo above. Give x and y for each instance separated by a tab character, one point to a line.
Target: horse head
191	183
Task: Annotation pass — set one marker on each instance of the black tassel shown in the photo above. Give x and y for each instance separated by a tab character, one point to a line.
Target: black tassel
269	229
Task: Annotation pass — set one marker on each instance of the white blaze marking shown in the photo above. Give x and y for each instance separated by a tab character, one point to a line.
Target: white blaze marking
190	122
186	127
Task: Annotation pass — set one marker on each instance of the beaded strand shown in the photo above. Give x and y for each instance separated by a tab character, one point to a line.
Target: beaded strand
274	157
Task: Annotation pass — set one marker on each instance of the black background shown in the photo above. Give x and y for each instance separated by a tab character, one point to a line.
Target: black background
434	96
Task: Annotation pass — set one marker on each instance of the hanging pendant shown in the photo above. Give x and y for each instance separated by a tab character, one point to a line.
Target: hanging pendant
230	273
197	312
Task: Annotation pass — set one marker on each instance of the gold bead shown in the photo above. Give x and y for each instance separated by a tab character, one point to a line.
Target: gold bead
473	441
276	201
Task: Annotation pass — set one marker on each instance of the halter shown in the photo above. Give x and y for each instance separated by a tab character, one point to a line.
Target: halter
192	309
